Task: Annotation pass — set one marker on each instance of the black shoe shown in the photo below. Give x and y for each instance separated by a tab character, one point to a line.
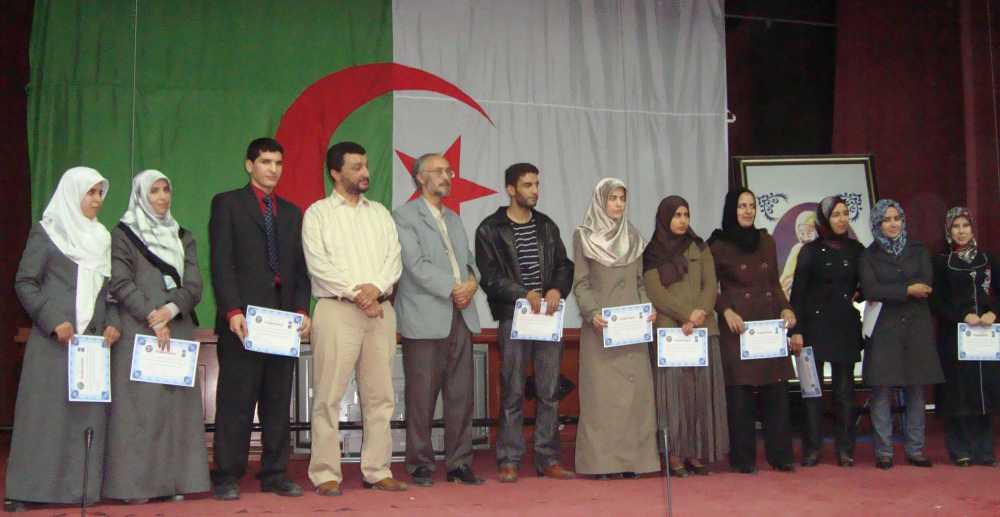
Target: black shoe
281	486
845	460
987	462
677	472
630	475
883	463
963	462
746	469
919	461
787	467
226	491
11	506
422	476
810	459
463	475
698	470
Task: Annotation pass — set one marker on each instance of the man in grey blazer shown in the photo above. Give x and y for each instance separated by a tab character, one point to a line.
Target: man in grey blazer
436	319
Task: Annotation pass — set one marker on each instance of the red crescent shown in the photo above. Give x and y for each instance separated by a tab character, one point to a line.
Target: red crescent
306	127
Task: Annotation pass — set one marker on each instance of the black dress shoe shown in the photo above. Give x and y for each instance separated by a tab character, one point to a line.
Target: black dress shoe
226	491
281	486
919	461
810	459
629	475
698	470
11	506
963	462
787	467
422	476
845	460
463	475
883	463
745	469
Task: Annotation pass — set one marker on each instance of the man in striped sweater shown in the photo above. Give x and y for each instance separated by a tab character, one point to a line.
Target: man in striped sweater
520	255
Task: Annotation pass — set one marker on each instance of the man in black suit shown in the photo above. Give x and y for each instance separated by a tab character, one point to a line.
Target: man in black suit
256	255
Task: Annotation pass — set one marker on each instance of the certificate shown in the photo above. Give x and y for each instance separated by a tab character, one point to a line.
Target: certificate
627	325
271	331
175	366
89	369
675	350
763	339
809	382
537	327
978	342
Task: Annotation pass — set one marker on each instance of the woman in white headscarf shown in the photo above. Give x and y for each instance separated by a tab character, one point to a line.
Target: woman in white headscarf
156	445
62	285
616	434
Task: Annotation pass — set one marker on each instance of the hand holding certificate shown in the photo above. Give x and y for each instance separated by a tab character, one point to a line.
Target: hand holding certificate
763	339
537	327
675	350
805	366
978	342
270	331
627	325
175	365
89	369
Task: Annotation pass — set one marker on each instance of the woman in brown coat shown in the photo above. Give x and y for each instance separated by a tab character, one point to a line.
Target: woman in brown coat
746	266
617	430
680	280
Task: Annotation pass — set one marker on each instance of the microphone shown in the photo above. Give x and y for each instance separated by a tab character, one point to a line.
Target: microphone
88	441
89	436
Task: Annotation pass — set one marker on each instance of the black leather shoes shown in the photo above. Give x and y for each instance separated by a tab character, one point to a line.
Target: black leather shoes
746	469
810	459
788	467
226	491
281	486
963	462
845	460
919	461
422	476
464	475
883	463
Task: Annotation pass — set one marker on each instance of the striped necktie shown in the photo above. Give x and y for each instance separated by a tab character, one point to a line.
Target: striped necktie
272	244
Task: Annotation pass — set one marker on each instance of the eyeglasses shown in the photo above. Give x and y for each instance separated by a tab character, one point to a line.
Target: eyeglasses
441	171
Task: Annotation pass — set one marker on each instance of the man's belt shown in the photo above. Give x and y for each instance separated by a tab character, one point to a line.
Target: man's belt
381	299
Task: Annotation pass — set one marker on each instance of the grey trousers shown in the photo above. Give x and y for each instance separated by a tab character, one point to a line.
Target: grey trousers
515	356
430	365
913	420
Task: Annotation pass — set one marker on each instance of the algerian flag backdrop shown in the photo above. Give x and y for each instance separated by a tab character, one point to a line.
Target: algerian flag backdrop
582	89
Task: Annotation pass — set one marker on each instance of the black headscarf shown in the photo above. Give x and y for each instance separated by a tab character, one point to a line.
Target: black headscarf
823	211
666	251
745	239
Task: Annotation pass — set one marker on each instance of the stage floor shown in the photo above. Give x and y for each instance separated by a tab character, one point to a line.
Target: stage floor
826	490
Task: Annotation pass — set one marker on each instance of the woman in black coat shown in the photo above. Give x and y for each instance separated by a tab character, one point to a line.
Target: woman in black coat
825	283
963	294
896	273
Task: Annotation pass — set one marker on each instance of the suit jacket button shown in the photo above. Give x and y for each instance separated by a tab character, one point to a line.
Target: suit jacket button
743	266
746	295
768	294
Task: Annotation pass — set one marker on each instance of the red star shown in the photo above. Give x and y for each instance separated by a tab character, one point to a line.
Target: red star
462	190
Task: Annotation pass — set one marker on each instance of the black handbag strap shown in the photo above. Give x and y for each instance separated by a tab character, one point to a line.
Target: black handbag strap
157	262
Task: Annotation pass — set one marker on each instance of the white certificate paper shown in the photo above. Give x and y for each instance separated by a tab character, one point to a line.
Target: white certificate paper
763	339
537	327
627	325
978	342
675	350
809	381
270	331
176	366
89	369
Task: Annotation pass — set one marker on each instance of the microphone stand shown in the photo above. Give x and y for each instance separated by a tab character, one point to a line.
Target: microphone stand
666	461
88	441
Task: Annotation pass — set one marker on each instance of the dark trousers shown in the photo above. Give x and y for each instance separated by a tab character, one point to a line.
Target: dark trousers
247	380
515	356
741	405
430	365
970	437
843	411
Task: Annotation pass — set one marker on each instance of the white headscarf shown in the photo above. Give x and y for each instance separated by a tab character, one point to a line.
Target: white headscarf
605	240
84	241
159	234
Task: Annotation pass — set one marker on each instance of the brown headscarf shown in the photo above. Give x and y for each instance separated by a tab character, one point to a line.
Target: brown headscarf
666	251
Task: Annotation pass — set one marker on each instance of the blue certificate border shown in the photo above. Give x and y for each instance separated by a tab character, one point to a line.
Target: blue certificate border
963	330
295	318
807	359
81	341
751	326
701	337
142	341
522	305
611	312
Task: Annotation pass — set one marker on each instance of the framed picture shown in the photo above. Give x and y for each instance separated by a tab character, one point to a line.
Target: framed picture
788	189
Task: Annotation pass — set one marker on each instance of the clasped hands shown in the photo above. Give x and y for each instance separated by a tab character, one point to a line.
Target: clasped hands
461	294
599	322
552	297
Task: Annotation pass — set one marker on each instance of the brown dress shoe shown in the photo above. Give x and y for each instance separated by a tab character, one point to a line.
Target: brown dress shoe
329	488
387	484
556	471
507	473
